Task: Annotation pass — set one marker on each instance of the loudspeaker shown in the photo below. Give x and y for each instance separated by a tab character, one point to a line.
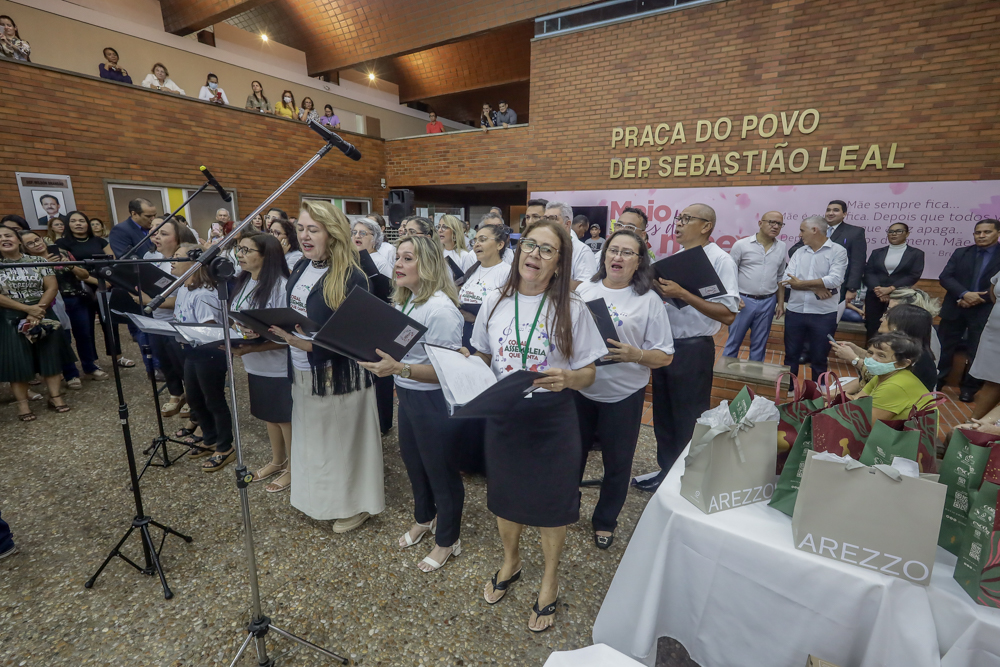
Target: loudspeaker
400	205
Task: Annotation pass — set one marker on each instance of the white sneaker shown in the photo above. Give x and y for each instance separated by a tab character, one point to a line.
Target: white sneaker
349	524
75	383
10	552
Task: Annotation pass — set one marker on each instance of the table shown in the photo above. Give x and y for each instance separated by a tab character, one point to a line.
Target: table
732	588
598	655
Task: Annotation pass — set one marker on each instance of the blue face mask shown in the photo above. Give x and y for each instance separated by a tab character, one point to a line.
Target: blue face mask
213	85
879	367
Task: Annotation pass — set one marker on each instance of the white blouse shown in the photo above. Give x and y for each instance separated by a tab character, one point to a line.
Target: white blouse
152	82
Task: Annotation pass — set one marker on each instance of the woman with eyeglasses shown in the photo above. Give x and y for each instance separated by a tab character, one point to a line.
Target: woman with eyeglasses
490	277
536	323
283	230
451	233
261	284
26	297
367	236
55	230
610	410
336	460
308	111
889	268
428	439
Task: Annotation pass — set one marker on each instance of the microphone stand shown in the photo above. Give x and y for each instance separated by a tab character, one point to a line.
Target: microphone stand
221	270
128	253
141	522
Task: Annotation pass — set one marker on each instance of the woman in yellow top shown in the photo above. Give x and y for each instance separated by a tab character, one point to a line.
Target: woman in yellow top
894	388
286	107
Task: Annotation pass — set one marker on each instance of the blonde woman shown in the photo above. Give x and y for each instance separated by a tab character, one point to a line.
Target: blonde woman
336	446
428	439
451	231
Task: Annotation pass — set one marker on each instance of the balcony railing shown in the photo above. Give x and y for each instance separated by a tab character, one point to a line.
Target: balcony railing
604	13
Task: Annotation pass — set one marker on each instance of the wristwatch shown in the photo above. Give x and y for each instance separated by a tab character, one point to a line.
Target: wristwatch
405	373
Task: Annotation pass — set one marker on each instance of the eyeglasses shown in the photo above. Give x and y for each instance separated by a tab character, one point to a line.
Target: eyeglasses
360	233
774	223
35	242
484	239
624	253
441	228
682	220
242	250
626	228
545	251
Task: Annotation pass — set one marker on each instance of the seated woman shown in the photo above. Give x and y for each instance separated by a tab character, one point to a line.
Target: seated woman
286	106
26	297
211	92
918	297
11	44
428	439
894	389
159	79
111	69
913	321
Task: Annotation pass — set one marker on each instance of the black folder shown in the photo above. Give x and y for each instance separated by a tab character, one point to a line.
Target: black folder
602	316
260	320
456	272
692	270
498	400
471	308
363	323
151	279
381	286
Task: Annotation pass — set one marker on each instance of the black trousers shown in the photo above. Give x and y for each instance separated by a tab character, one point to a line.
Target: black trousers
205	381
383	399
811	329
168	352
874	310
616	427
968	322
681	392
428	443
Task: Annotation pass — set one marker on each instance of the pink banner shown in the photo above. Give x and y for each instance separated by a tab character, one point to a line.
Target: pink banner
941	214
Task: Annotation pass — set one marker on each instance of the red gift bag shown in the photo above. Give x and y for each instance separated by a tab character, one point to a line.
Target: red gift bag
925	420
806	400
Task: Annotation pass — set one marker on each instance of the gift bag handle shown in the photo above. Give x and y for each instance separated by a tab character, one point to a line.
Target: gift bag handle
798	391
937	399
824	381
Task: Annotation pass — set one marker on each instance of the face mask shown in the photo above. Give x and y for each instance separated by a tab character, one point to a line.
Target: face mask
288	100
213	85
878	367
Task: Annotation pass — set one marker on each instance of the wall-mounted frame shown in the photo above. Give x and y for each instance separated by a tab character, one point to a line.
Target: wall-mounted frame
44	196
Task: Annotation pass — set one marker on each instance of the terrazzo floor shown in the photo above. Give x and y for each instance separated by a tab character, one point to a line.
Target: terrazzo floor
64	490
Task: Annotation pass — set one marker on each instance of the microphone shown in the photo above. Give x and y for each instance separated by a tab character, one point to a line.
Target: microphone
226	197
333	138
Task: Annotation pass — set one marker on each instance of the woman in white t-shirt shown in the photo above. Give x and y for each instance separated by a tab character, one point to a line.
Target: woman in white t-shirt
367	235
336	458
197	302
451	232
261	284
165	348
284	231
610	410
491	276
533	453
428	439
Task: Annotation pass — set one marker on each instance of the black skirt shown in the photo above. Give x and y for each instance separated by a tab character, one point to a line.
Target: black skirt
533	462
270	398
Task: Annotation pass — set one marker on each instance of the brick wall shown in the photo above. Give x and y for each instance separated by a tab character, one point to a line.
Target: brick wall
920	74
496	156
94	130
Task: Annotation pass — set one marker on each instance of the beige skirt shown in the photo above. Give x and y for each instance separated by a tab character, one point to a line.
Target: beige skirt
336	452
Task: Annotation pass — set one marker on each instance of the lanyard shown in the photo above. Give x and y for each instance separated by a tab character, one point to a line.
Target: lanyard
406	302
517	331
246	297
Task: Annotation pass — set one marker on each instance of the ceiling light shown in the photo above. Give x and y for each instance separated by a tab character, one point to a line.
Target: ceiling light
371	76
263	37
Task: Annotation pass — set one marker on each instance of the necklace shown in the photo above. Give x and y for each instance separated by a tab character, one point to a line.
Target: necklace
321	263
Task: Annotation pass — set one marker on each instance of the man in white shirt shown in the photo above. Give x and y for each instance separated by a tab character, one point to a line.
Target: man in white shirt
584	262
682	391
761	262
815	274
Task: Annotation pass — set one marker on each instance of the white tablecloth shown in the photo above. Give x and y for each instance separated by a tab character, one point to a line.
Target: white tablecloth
732	588
598	655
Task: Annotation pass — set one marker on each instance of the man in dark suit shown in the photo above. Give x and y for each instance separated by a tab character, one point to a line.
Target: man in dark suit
889	268
133	229
50	204
852	238
967	305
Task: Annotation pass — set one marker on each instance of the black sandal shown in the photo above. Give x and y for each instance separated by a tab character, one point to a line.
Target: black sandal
60	409
502	585
549	610
604	541
218	461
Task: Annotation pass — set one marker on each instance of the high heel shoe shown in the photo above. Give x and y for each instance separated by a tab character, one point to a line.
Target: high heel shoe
28	416
456	550
405	541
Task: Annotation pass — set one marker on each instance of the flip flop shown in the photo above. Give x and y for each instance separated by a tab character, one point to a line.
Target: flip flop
502	585
548	610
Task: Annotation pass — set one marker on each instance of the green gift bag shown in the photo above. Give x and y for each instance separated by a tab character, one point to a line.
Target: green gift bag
843	429
806	400
889	440
787	488
978	567
962	472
